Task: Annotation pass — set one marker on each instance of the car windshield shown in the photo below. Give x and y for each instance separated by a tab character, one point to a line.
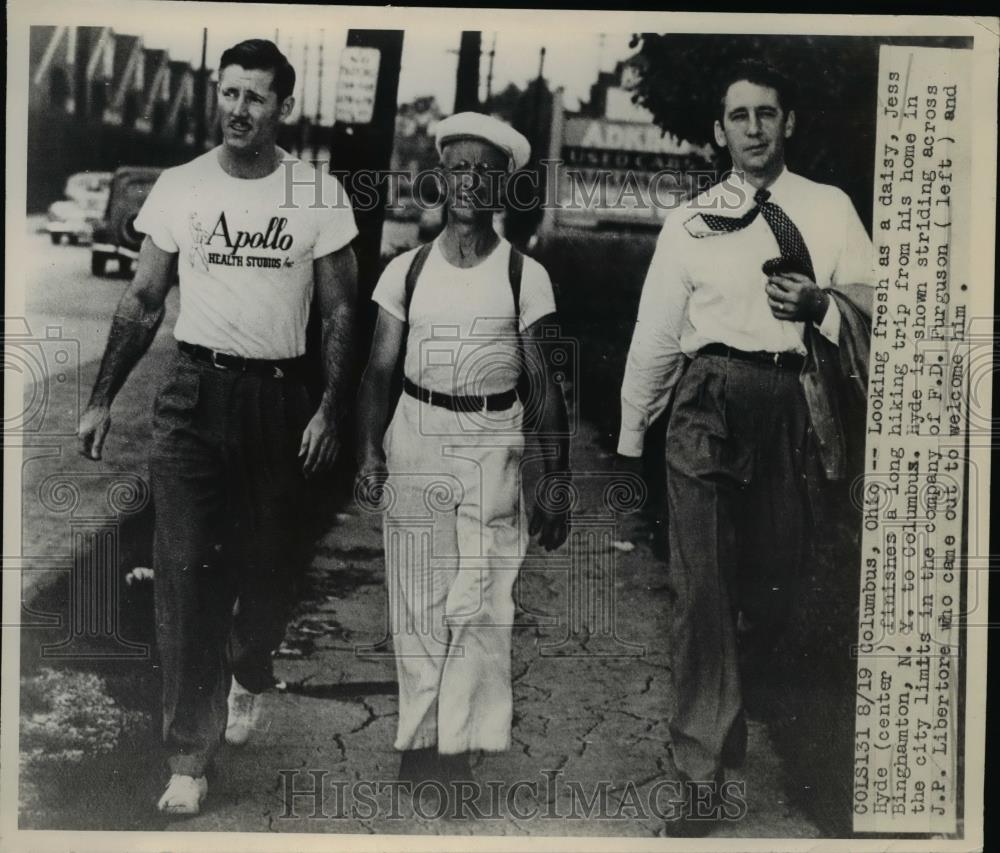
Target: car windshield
88	183
89	189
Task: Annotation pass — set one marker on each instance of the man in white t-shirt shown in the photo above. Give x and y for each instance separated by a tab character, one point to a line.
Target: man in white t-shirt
252	233
469	312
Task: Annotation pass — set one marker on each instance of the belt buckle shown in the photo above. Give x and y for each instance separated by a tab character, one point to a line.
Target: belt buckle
777	359
278	372
215	361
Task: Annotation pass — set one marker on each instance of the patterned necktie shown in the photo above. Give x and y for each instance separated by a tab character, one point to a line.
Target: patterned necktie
793	247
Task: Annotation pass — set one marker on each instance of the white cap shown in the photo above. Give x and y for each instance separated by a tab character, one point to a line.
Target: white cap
489	129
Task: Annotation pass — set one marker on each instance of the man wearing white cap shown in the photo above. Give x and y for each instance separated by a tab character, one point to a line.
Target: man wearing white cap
468	311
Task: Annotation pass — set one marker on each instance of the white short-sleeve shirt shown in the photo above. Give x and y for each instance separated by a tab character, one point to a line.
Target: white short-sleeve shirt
246	249
463	337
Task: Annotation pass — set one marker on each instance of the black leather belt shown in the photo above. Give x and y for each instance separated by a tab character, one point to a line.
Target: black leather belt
784	360
276	368
467	403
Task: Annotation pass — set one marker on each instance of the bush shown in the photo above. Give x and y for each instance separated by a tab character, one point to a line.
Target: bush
68	723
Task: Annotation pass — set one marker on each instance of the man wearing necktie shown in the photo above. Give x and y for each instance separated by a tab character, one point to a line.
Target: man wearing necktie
739	283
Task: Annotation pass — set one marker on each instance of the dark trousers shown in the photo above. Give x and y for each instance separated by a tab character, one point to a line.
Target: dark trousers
739	529
227	485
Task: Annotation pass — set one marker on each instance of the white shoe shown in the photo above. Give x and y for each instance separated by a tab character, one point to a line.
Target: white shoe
184	795
244	713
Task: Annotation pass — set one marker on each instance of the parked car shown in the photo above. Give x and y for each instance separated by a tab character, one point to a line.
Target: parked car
72	219
115	237
69	223
89	190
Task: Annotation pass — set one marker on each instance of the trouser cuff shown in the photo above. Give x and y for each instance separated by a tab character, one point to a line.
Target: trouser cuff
188	765
693	761
255	680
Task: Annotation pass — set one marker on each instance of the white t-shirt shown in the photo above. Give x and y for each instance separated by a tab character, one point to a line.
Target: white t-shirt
463	335
246	249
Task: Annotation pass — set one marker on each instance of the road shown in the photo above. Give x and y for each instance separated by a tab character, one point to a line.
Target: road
56	345
591	686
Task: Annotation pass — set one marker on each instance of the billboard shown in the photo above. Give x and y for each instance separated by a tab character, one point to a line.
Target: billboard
622	173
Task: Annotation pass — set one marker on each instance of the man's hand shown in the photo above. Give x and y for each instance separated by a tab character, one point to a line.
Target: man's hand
93	429
319	444
551	515
630	465
794	296
630	481
369	485
552	527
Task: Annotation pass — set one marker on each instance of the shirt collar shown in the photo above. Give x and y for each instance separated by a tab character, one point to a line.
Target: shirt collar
780	186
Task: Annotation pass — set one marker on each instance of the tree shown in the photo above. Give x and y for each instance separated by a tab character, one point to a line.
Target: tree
503	104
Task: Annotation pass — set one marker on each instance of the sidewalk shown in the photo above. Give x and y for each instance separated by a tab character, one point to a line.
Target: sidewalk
587	717
589	702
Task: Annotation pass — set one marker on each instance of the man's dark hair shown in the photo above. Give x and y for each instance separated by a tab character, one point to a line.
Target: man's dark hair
262	55
759	73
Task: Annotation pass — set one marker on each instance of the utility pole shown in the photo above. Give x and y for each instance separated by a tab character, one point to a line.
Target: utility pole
305	76
364	128
489	73
319	93
531	119
537	122
81	95
467	73
366	145
201	95
319	101
303	118
539	103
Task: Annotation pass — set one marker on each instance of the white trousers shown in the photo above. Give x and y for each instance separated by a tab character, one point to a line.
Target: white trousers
455	538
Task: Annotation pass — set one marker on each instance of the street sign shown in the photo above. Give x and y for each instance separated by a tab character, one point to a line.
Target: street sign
356	84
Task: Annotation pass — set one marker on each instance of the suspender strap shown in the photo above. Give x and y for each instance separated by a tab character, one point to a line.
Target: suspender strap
514	272
413	273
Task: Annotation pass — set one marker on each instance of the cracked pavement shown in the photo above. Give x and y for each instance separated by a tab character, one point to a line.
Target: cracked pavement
579	711
590	701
